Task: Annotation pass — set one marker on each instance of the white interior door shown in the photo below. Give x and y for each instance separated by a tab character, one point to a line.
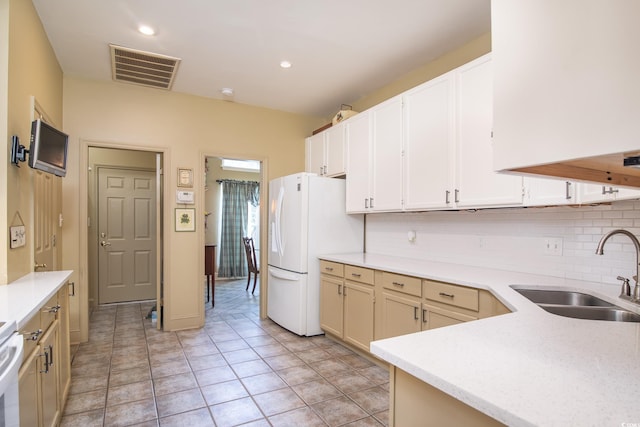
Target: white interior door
126	235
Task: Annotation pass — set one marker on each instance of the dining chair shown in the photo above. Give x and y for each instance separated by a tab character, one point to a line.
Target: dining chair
252	263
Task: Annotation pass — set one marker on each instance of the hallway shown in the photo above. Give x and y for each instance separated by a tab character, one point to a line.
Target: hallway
237	370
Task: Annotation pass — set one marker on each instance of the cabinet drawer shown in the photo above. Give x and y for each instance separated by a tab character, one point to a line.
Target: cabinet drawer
332	268
30	334
48	312
358	274
405	284
445	293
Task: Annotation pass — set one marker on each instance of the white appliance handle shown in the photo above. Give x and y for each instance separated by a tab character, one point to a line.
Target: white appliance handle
279	243
284	275
10	369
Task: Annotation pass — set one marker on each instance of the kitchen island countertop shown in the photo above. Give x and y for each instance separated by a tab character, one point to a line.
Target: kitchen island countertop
525	368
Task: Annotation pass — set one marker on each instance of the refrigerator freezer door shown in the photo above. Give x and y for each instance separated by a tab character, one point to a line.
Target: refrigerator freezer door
287	300
288	219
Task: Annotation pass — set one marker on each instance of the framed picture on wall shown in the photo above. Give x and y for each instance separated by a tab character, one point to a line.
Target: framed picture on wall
185	177
185	219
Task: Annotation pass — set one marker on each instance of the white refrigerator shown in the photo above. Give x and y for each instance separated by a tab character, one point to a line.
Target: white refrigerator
307	218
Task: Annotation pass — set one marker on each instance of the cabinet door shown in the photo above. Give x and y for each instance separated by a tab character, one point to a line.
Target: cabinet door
48	371
400	315
28	389
335	150
544	192
435	317
428	155
331	318
314	146
358	134
64	365
477	183
386	174
358	314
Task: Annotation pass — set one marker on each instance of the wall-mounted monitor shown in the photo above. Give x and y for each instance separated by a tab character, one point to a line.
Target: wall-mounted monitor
48	148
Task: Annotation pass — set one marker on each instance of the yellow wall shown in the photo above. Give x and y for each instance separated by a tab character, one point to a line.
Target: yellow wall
33	71
185	128
441	65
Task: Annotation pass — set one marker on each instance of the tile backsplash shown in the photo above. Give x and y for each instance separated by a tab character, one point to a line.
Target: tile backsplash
555	241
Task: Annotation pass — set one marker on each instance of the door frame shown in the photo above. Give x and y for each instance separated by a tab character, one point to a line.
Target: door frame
264	219
161	184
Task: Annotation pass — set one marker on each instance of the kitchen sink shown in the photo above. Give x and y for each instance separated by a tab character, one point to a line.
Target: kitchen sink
577	305
540	296
613	313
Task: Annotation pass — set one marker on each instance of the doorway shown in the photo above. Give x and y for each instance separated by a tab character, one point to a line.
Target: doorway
223	175
124	223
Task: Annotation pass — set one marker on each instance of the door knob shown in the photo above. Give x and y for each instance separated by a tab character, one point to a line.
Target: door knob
104	243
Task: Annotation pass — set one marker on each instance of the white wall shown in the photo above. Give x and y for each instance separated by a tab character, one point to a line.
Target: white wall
515	239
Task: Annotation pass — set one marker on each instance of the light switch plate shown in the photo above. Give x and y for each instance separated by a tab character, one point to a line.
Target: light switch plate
18	236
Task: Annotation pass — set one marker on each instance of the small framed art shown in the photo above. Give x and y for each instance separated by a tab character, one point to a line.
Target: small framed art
185	177
185	219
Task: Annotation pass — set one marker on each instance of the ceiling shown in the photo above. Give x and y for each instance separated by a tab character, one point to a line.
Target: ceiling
341	50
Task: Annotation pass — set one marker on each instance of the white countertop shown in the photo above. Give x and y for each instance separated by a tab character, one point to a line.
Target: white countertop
529	367
21	299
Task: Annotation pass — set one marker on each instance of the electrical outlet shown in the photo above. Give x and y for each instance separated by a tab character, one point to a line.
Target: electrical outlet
553	245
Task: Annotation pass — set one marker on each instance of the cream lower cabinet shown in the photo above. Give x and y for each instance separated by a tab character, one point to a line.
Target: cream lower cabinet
399	310
414	403
347	303
44	376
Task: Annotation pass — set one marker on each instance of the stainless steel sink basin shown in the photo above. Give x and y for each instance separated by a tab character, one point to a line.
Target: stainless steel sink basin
562	298
577	305
612	313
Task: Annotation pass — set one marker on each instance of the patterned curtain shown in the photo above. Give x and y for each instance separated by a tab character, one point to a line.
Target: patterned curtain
235	196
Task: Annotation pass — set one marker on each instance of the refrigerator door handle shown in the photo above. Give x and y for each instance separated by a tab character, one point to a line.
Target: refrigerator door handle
284	275
278	224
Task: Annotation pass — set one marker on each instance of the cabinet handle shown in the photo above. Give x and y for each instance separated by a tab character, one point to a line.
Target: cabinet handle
397	284
568	190
611	190
329	268
443	294
424	316
325	170
32	336
446	196
358	275
366	203
45	354
339	289
73	289
50	355
371	202
320	170
457	193
53	309
37	266
415	313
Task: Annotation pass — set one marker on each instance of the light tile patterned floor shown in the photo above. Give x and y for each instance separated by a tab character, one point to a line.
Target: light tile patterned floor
237	370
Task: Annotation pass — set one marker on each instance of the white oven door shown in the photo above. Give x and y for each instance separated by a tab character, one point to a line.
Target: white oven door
10	360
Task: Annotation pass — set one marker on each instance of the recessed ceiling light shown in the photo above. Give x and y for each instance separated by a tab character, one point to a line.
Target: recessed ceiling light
146	30
285	64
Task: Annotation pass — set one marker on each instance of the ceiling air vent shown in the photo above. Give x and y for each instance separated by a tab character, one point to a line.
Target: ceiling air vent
143	68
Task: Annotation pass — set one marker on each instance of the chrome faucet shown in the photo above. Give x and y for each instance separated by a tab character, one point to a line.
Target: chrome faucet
626	290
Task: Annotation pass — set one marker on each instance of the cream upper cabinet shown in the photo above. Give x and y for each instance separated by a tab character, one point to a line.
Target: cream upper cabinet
374	159
386	160
326	152
566	82
429	149
597	193
477	184
549	192
358	131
